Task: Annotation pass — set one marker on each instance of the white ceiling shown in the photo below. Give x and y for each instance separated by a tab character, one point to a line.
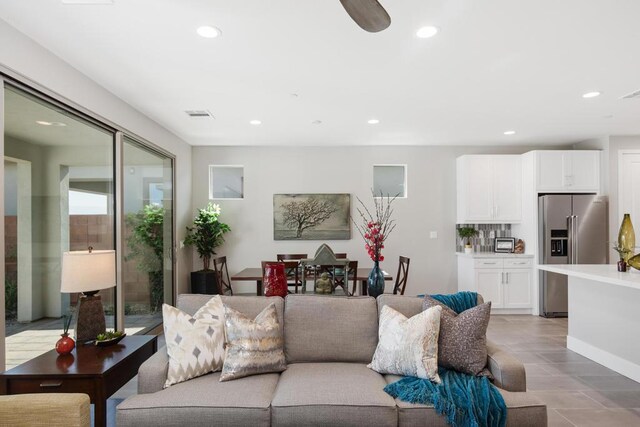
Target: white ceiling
496	65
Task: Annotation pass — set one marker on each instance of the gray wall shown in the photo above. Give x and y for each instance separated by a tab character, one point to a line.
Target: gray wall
430	205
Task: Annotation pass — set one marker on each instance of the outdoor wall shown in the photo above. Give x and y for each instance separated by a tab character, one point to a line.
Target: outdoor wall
430	206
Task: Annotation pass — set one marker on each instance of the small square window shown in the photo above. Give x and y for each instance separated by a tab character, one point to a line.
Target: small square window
390	180
226	182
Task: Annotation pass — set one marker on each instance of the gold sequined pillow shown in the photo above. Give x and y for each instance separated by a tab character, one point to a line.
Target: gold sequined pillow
408	347
462	344
254	346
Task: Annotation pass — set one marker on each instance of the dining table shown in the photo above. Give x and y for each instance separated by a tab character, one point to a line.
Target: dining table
255	274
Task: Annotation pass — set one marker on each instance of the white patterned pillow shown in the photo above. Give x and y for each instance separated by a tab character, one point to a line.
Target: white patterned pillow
408	347
195	344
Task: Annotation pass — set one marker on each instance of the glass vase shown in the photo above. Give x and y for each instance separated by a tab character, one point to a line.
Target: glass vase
375	282
627	238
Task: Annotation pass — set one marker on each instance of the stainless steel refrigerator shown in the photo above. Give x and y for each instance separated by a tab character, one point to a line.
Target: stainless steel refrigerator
572	230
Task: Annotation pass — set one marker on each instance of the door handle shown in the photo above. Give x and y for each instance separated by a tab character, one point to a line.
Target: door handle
502	278
570	240
507	281
576	249
51	384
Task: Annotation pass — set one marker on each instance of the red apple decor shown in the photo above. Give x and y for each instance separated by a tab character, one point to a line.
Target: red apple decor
65	344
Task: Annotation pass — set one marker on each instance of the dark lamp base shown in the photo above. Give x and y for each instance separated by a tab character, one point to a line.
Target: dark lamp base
89	318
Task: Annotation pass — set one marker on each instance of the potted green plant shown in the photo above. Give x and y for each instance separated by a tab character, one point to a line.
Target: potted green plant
206	235
146	246
466	233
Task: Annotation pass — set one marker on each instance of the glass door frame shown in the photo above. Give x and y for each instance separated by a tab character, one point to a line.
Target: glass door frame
120	229
16	80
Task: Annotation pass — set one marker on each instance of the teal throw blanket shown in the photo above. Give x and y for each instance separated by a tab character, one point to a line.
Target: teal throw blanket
465	400
458	302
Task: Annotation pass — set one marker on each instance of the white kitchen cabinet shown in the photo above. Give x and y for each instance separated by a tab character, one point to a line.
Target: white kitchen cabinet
568	171
504	280
489	189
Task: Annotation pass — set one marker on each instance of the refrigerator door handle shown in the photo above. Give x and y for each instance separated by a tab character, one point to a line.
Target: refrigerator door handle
570	239
574	224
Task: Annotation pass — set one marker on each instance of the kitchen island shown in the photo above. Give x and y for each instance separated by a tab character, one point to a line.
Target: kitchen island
604	315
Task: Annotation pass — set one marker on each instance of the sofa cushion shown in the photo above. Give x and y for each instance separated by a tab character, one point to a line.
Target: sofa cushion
345	394
249	305
409	306
203	401
523	409
254	346
408	346
330	329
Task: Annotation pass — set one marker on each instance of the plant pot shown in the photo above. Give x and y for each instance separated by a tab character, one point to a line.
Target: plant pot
204	282
468	249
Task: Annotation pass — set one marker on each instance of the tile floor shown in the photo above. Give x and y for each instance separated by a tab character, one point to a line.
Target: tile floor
577	391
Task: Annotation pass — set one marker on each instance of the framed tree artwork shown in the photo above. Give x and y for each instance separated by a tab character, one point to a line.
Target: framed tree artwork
311	216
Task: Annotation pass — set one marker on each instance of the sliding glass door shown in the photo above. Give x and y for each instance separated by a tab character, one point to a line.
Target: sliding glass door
148	235
68	179
59	196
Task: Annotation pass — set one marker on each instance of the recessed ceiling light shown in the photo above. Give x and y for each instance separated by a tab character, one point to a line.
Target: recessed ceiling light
591	94
427	32
255	122
373	121
209	32
510	132
43	123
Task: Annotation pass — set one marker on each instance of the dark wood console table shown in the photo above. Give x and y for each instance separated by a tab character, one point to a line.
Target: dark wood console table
96	371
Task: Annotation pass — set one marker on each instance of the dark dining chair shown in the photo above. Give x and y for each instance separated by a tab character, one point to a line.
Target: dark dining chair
401	277
291	268
222	275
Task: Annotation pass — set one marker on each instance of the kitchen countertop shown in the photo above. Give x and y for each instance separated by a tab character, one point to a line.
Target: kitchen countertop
492	255
606	273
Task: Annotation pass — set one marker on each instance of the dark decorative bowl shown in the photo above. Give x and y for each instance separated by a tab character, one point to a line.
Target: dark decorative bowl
112	341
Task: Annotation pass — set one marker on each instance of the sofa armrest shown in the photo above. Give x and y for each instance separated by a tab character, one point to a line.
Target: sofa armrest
152	374
45	409
508	372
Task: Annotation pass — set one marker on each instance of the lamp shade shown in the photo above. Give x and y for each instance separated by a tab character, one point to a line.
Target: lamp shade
85	271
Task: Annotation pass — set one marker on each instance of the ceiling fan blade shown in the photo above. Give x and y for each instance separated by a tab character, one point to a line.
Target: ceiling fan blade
368	14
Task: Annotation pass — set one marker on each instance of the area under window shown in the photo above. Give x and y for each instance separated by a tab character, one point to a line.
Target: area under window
390	180
86	203
226	182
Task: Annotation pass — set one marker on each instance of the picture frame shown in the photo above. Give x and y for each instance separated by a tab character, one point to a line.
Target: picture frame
504	245
312	216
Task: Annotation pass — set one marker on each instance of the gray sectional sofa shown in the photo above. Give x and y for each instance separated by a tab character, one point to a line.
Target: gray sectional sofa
328	343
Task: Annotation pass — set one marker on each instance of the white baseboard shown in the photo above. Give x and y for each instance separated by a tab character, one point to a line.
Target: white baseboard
603	357
511	311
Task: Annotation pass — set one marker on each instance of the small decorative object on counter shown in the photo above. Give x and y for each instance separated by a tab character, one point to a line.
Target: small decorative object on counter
519	248
275	280
65	344
466	233
324	285
634	262
374	229
622	264
109	338
627	238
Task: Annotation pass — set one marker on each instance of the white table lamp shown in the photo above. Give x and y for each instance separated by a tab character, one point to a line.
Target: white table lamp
87	272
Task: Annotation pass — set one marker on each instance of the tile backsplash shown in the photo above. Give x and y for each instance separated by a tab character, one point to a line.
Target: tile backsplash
483	242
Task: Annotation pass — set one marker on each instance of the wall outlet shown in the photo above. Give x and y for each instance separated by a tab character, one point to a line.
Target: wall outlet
433	235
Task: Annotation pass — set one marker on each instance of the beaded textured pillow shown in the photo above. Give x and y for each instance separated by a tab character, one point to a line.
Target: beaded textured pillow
408	347
195	344
462	345
254	346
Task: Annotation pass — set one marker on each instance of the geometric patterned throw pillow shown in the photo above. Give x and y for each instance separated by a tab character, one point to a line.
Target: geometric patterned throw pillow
254	346
195	344
408	347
